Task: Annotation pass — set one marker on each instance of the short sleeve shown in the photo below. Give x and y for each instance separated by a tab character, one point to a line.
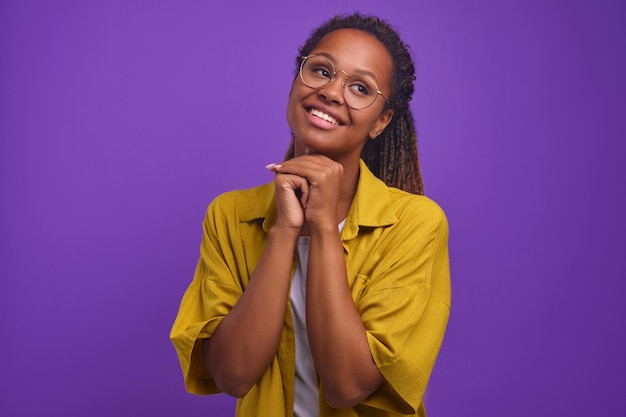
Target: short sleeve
211	295
405	312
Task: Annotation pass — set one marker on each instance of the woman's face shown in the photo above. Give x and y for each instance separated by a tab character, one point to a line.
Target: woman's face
320	119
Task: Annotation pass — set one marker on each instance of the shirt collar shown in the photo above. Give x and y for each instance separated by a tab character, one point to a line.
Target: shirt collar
371	206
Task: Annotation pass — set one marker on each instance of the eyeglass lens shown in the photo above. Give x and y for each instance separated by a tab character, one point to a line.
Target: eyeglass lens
359	91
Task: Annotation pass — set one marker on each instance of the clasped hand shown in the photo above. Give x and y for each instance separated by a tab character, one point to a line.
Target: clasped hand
307	190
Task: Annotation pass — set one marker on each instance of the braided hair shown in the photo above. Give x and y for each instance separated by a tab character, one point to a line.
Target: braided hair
393	156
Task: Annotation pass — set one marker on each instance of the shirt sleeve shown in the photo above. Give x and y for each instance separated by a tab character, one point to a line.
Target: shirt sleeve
212	293
405	311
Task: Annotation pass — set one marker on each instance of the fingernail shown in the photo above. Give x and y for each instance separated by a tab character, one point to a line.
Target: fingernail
272	166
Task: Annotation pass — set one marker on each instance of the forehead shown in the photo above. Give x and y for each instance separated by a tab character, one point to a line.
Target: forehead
354	50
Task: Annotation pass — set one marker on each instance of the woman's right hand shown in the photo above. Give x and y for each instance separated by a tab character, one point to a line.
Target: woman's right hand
292	193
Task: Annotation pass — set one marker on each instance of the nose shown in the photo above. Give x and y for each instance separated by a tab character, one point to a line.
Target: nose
333	91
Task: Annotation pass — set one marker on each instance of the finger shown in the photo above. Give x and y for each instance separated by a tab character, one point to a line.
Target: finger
298	185
311	167
273	166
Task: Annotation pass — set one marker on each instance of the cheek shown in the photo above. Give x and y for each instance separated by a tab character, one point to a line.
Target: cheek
368	121
292	108
296	95
291	99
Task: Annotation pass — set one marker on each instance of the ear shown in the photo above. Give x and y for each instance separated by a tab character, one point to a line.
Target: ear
383	120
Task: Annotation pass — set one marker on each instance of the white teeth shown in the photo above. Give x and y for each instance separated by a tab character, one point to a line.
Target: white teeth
324	116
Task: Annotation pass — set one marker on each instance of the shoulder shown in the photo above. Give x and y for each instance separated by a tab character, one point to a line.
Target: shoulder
235	197
244	204
416	208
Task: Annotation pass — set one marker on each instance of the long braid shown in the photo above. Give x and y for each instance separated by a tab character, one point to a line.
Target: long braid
393	156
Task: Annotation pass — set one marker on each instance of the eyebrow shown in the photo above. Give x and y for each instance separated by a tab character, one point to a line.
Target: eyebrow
358	71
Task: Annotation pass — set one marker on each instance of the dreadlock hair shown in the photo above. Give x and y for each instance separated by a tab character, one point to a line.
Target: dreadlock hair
392	156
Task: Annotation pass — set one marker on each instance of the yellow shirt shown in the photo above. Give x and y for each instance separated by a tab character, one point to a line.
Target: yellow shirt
396	249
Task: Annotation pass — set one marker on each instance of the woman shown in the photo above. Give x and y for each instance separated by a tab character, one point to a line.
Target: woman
326	292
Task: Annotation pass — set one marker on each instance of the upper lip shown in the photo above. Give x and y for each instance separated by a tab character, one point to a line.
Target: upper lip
326	110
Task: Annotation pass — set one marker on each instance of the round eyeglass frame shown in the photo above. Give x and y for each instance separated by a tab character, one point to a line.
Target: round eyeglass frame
343	85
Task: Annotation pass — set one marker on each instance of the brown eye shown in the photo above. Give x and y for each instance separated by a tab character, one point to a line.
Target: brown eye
359	87
322	72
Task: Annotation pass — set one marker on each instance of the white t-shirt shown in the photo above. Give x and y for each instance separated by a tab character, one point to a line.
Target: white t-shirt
305	390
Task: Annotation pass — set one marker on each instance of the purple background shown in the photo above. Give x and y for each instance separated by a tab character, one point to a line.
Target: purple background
121	120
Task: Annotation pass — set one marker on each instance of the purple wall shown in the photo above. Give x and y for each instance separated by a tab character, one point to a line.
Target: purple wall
121	120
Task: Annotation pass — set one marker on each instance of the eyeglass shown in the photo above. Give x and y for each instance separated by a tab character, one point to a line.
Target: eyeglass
359	91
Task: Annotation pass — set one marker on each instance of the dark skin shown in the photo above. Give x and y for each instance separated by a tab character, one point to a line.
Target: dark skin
314	192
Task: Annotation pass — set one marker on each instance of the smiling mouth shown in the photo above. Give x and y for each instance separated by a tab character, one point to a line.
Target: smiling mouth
323	116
